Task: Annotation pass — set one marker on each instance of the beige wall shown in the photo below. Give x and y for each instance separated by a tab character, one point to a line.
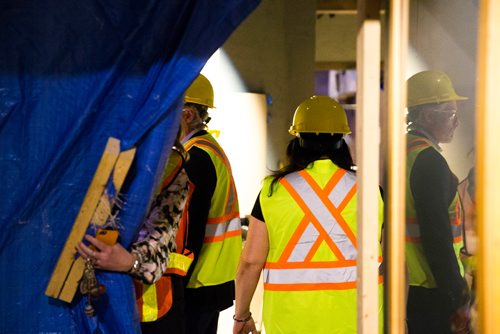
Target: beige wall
273	51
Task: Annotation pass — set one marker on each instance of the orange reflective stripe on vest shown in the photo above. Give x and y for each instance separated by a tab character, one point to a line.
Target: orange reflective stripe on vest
153	300
229	224
418	268
231	205
319	218
202	142
413	229
418	143
219	255
322	209
225	229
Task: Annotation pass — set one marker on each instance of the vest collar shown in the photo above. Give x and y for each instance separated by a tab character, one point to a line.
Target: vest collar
192	134
423	133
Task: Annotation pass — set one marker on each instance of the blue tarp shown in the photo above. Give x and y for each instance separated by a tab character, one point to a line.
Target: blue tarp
72	74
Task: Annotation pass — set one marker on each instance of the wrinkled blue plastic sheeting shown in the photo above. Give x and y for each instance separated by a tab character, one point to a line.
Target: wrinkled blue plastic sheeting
72	74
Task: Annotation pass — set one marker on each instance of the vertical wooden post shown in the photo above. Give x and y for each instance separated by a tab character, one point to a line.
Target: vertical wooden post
396	166
488	160
367	158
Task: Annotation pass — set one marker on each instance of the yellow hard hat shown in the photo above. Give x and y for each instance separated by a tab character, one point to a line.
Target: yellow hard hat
430	87
200	92
319	114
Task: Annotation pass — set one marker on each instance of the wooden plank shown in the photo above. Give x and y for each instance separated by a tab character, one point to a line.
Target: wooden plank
396	166
87	209
96	208
102	212
488	160
367	160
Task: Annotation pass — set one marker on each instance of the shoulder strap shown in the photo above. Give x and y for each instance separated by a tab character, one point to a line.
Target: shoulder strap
174	165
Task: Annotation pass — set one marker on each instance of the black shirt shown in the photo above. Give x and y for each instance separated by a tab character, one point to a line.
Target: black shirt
433	187
201	172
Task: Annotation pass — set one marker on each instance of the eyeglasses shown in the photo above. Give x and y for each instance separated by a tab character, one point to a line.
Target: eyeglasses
449	114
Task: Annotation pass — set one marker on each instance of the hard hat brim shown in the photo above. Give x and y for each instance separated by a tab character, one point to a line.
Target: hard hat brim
436	100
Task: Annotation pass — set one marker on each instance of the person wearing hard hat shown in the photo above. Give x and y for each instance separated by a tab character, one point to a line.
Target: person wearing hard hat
302	233
214	226
438	295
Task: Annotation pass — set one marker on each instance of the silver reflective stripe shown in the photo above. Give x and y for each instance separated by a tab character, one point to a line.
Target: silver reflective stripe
304	245
310	275
341	189
413	230
456	230
323	215
215	230
214	147
231	196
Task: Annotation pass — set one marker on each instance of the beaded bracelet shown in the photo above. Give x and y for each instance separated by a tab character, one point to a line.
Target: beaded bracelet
242	320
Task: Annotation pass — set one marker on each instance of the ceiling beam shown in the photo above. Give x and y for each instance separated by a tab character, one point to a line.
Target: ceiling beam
336	4
340	7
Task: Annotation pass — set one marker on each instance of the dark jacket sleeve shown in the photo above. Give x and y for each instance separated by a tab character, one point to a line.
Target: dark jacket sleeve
201	173
433	187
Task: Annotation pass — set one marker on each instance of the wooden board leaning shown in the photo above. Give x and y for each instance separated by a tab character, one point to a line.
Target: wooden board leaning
95	209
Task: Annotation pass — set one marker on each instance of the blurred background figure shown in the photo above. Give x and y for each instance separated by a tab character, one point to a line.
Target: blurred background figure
467	192
438	298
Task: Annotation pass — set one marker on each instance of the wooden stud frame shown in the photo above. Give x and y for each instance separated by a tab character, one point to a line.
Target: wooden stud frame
367	156
488	160
396	166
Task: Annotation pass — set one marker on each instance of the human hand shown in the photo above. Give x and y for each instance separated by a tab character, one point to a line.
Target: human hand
113	258
244	327
461	321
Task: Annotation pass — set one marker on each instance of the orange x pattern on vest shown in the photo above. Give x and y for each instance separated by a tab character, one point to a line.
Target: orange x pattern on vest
341	272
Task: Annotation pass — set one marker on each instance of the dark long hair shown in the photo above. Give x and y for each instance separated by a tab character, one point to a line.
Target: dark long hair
309	147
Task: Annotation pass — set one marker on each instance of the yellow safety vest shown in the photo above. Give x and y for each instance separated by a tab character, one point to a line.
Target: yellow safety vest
419	272
468	257
155	300
221	249
310	271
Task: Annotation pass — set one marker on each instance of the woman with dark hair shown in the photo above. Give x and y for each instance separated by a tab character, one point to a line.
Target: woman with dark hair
302	232
304	150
